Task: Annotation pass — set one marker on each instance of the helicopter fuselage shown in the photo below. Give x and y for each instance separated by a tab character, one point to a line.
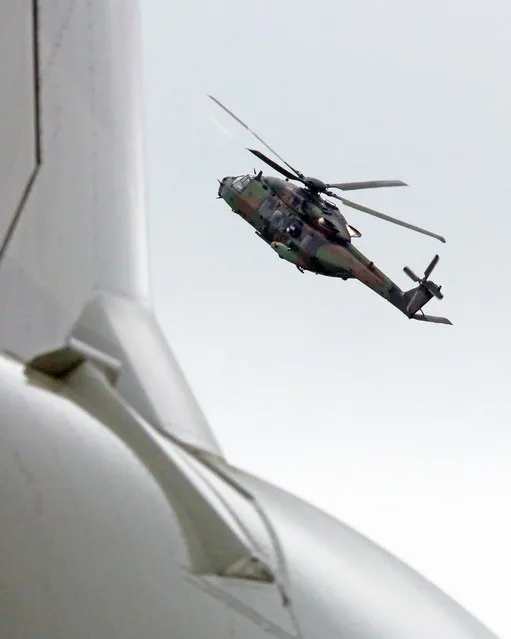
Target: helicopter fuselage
311	232
305	230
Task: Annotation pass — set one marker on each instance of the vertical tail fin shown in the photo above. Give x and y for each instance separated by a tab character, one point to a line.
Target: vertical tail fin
72	210
417	297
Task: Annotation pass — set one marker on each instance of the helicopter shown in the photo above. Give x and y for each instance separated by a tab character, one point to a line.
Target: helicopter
309	231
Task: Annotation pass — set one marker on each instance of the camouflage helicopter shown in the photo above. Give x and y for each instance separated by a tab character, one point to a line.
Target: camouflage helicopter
311	232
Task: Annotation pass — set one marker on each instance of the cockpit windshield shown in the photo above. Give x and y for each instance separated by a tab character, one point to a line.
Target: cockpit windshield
240	183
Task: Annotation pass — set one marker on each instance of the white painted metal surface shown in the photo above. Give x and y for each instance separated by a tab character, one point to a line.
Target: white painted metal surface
83	226
78	229
18	124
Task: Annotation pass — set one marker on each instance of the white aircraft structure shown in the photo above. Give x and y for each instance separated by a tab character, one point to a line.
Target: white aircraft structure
120	516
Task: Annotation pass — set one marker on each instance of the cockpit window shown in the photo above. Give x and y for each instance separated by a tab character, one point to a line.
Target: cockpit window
240	183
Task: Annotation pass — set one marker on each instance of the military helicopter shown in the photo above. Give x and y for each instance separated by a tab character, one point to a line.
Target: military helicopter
312	233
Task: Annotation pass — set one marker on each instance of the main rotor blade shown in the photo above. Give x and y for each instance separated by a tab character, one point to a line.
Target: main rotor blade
382	216
373	184
254	134
273	164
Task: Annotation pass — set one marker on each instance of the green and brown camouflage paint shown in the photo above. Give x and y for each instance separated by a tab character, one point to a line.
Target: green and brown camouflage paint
314	250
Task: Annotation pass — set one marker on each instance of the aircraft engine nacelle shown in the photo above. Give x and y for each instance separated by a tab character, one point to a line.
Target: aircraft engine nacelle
337	226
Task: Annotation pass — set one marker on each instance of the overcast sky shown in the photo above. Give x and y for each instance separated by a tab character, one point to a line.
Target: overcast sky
399	428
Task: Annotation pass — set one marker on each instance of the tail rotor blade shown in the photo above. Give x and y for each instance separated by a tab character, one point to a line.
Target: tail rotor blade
411	274
430	268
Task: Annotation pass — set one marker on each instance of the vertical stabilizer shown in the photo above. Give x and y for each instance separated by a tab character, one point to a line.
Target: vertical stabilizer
72	211
75	222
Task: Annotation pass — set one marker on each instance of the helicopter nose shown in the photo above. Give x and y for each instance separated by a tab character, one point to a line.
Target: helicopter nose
220	185
225	181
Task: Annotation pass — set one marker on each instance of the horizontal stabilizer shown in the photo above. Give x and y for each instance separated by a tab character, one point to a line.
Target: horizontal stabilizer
432	318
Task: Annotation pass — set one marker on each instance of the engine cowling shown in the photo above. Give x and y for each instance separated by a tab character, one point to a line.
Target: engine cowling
332	225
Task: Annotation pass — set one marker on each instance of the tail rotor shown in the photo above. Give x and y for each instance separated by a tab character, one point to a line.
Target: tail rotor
411	274
424	283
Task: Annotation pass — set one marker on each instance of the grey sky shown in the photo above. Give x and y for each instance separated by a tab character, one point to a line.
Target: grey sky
399	428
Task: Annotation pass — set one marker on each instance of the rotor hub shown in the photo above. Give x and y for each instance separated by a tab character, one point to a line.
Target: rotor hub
316	187
314	184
